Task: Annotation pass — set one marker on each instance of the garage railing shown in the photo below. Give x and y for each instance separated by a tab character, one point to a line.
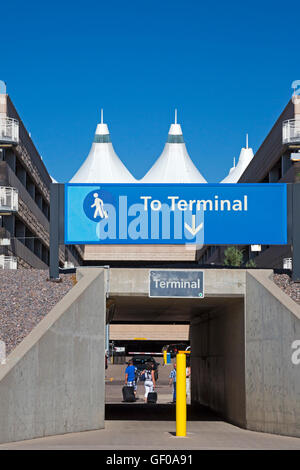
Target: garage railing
9	130
291	131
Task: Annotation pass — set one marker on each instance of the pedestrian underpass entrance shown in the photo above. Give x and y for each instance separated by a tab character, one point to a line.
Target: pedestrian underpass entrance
216	336
241	335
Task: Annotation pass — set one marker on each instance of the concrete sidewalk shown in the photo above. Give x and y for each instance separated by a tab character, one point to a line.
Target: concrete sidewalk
143	435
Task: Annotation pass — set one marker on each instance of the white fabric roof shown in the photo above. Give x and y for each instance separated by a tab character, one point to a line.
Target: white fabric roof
236	172
174	165
102	164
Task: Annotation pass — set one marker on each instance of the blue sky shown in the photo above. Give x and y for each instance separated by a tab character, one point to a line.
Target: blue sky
226	66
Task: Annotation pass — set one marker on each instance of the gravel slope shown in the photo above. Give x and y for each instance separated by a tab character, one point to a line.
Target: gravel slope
288	286
25	298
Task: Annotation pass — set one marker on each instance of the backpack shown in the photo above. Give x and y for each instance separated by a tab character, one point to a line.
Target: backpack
142	377
148	375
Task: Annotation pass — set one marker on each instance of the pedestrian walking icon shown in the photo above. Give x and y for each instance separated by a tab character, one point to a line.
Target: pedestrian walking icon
99	209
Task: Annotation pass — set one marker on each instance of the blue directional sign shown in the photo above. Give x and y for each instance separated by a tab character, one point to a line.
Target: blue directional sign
211	214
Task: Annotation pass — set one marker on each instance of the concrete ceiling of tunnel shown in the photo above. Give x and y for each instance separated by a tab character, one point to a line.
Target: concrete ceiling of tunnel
144	309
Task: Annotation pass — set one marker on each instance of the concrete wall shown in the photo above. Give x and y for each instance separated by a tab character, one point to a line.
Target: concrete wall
155	332
272	380
218	282
139	253
218	365
53	382
241	358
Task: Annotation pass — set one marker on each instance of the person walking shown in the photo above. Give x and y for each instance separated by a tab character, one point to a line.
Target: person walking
130	373
172	381
153	368
149	381
188	377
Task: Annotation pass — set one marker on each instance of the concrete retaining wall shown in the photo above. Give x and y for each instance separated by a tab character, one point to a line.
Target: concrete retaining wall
53	382
242	358
218	282
155	332
218	361
272	323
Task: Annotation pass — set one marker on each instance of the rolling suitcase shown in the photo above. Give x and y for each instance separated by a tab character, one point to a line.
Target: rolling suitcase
128	394
152	397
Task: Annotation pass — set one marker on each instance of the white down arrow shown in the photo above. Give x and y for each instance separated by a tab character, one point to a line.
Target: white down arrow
193	229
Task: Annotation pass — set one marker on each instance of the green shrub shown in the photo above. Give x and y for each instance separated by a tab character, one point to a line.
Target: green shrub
250	264
233	256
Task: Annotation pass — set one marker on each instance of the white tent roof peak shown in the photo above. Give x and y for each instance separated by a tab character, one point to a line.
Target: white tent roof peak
174	164
175	129
102	164
232	168
245	158
102	129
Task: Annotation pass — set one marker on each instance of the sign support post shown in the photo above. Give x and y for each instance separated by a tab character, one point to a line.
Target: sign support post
181	395
165	357
57	218
296	232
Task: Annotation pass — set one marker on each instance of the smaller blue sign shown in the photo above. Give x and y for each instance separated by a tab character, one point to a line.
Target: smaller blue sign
176	283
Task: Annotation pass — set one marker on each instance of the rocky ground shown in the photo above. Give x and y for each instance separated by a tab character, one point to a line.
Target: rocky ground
25	298
288	286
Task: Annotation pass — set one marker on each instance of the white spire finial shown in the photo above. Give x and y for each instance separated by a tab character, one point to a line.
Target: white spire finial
246	141
101	115
175	115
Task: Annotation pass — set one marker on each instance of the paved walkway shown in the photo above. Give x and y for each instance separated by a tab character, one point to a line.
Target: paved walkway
144	435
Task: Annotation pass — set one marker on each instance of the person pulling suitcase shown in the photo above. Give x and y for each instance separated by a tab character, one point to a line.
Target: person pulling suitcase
129	389
150	395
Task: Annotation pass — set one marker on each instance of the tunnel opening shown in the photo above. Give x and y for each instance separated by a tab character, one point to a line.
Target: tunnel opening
214	330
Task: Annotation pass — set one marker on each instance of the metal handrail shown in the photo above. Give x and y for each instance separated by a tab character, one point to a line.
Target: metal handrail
9	130
8	262
291	131
9	199
287	263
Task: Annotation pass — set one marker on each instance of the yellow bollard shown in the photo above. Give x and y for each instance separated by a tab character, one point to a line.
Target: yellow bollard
181	395
165	357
